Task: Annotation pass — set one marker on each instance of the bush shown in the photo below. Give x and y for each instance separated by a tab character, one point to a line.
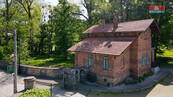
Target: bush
37	92
1	53
140	79
150	73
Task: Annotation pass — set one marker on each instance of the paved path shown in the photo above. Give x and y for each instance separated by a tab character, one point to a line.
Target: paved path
6	85
148	82
162	89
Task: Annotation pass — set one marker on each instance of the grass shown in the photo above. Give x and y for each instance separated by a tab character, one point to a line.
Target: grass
165	52
165	61
165	58
53	61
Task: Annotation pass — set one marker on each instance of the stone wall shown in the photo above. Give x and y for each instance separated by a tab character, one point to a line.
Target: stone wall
109	81
4	65
37	71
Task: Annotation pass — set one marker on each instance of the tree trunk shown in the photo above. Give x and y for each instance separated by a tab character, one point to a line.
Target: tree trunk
32	46
121	10
65	56
39	48
7	19
32	40
127	13
49	45
51	49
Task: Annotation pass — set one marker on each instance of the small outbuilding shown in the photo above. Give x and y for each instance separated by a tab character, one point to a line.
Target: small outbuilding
118	50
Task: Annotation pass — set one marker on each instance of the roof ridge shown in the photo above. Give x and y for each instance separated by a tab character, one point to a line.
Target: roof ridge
136	20
129	26
123	22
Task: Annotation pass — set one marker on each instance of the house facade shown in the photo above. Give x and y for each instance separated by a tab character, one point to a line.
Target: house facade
116	51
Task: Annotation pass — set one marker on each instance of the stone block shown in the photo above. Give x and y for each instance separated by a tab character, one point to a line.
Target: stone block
30	82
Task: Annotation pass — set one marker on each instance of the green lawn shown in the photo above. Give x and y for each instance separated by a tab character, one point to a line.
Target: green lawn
165	61
53	61
165	52
165	58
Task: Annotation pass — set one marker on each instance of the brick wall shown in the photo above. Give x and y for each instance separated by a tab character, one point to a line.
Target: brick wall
134	58
119	67
144	46
141	45
81	59
122	66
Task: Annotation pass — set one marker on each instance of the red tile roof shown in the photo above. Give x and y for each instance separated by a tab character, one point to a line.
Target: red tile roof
131	26
103	45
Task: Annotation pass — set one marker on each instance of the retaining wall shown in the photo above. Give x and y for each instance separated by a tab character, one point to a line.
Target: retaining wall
36	71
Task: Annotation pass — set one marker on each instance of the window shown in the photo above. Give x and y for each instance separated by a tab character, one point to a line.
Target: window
121	34
105	63
146	58
90	61
143	60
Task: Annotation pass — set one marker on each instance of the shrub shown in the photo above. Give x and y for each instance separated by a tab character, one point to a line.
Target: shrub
1	53
37	92
150	73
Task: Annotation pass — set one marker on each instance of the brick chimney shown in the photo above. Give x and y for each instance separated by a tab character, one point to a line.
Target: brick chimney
115	23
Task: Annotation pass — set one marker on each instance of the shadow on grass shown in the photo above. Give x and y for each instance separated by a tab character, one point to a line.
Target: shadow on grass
165	61
54	61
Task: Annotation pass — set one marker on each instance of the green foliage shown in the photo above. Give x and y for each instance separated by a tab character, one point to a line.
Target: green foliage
165	51
165	61
67	27
37	92
150	73
54	61
1	52
140	79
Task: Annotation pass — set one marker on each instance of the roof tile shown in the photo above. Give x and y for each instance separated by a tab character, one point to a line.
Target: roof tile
100	45
131	26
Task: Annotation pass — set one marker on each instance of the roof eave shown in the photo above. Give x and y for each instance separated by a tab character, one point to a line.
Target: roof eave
157	31
113	32
93	53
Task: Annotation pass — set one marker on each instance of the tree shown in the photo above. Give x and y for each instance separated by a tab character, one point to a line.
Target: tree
66	26
96	9
33	11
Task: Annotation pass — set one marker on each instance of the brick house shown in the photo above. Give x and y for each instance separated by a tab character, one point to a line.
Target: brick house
118	50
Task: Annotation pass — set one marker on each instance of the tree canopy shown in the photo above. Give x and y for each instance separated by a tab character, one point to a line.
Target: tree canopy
46	29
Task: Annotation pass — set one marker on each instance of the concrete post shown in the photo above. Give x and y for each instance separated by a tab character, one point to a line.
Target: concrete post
153	54
15	62
30	82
